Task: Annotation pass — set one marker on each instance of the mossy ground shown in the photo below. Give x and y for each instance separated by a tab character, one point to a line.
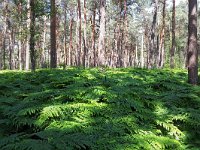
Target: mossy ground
98	109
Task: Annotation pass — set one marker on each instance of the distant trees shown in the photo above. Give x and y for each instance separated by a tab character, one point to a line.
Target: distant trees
120	33
192	43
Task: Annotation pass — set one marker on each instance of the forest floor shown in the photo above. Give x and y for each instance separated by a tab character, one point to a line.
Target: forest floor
97	109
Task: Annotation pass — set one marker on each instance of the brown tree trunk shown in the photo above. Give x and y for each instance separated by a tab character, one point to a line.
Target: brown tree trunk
79	33
85	52
11	49
5	16
94	35
32	34
162	38
65	57
152	45
102	32
53	63
172	50
28	36
192	43
70	41
125	38
43	63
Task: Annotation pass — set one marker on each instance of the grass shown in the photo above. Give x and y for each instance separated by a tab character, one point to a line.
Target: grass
98	109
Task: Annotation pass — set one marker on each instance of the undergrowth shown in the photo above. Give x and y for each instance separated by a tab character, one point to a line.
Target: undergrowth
97	109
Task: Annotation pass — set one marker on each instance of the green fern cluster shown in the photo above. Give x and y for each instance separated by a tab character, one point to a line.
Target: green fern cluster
94	109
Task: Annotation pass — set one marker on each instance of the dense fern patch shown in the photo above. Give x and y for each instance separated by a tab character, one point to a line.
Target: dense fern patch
96	109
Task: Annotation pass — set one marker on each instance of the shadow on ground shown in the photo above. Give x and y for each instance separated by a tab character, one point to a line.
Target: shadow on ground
98	109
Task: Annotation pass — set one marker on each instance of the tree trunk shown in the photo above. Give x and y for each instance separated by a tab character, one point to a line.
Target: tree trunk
5	16
28	36
162	38
172	51
32	34
85	52
53	63
192	43
102	32
79	23
125	50
43	63
136	55
65	36
142	52
94	35
11	49
70	41
152	45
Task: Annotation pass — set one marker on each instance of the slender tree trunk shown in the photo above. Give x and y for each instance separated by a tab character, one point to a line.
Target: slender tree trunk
53	63
172	51
142	52
85	52
28	36
11	50
102	32
79	33
162	38
44	42
1	50
125	51
94	35
65	35
5	16
192	43
152	45
136	55
32	34
70	41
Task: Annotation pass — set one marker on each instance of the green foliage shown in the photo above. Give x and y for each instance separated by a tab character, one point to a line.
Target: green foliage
98	109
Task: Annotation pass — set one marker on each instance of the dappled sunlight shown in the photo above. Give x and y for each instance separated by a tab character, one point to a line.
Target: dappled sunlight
95	109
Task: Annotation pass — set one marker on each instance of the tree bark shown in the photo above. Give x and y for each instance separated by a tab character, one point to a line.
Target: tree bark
85	52
94	35
142	52
162	38
11	49
152	45
192	43
102	32
43	63
70	41
79	34
53	63
28	36
32	35
172	51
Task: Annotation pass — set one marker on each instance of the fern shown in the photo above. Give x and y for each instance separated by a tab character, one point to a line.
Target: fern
95	109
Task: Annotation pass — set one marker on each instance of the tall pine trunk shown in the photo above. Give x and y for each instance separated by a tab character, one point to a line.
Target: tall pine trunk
70	41
152	44
85	52
102	32
28	36
53	63
192	43
32	35
162	38
79	23
172	51
94	36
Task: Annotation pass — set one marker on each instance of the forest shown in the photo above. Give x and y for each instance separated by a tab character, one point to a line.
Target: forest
99	75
